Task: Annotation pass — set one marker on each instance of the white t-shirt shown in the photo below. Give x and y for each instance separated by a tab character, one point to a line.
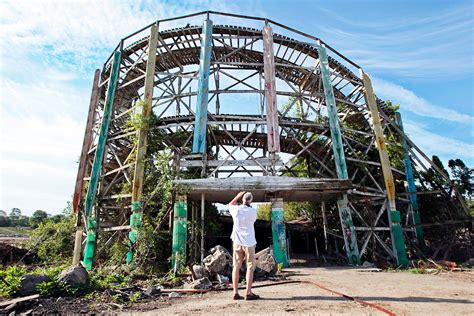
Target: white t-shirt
243	232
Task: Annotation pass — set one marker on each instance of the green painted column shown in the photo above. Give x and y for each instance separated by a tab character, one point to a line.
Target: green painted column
279	233
348	229
97	164
180	220
411	185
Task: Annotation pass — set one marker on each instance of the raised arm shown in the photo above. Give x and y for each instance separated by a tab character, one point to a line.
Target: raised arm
237	198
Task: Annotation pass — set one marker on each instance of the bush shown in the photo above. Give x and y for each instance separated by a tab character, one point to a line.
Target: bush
52	241
11	279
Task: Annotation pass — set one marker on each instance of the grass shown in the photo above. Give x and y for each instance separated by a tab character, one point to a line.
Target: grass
15	231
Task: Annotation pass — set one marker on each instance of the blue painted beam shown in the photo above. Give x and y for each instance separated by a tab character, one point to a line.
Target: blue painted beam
411	184
200	125
348	229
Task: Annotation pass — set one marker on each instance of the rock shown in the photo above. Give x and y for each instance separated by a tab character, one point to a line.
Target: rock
153	290
74	276
201	284
199	271
222	279
218	262
266	264
29	283
367	264
174	294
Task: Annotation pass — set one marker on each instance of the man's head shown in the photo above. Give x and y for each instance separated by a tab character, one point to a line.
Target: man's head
247	198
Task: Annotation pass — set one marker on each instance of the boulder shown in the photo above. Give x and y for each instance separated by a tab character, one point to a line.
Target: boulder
265	263
199	271
29	283
218	262
153	290
201	284
74	276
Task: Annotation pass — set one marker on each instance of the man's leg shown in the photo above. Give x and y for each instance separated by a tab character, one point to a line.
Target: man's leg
250	258
237	257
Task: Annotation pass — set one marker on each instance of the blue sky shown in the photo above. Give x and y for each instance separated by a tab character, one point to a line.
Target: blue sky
419	53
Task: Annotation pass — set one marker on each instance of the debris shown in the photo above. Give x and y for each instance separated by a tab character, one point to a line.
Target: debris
222	279
174	294
266	264
19	300
368	264
202	284
153	290
218	262
29	283
199	271
74	276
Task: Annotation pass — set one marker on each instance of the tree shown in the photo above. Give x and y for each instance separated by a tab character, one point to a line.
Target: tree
14	216
462	176
38	217
264	211
4	219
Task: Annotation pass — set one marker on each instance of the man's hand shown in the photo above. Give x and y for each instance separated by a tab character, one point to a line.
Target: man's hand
237	198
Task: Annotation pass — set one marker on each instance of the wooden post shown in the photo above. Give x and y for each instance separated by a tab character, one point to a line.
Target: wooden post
138	175
325	225
86	144
200	125
178	253
97	164
348	229
411	185
273	135
279	233
398	240
203	205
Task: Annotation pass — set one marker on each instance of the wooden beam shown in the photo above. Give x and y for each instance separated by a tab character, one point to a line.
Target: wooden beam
273	135
200	125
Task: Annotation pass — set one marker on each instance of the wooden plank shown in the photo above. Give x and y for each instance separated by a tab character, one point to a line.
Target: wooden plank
200	125
398	240
86	143
273	135
98	159
236	163
19	300
349	232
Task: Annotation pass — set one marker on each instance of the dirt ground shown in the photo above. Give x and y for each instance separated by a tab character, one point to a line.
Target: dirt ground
400	292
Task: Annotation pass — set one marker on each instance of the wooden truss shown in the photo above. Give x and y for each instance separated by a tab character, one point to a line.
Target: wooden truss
266	105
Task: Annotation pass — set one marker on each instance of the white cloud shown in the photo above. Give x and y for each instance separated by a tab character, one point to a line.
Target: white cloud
433	144
417	105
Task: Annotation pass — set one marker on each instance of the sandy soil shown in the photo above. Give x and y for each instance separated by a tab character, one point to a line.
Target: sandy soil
401	292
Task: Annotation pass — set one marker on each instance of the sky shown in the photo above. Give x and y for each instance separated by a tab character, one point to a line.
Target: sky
419	54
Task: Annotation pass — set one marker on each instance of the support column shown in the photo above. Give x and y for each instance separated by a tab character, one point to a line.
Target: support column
411	185
200	124
273	135
178	255
81	172
348	229
91	221
279	233
203	209
138	175
398	240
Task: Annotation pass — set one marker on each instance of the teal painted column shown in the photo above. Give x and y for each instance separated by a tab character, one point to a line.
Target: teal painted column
180	220
200	124
97	164
411	185
279	233
348	229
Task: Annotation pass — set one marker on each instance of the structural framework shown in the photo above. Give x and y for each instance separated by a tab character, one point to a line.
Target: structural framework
256	106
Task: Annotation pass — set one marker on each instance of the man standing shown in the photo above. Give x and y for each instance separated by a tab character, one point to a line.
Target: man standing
243	238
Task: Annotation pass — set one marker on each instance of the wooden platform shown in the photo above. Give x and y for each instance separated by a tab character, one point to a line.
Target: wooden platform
265	188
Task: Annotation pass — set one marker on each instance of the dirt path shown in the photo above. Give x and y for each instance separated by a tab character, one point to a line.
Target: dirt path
402	293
